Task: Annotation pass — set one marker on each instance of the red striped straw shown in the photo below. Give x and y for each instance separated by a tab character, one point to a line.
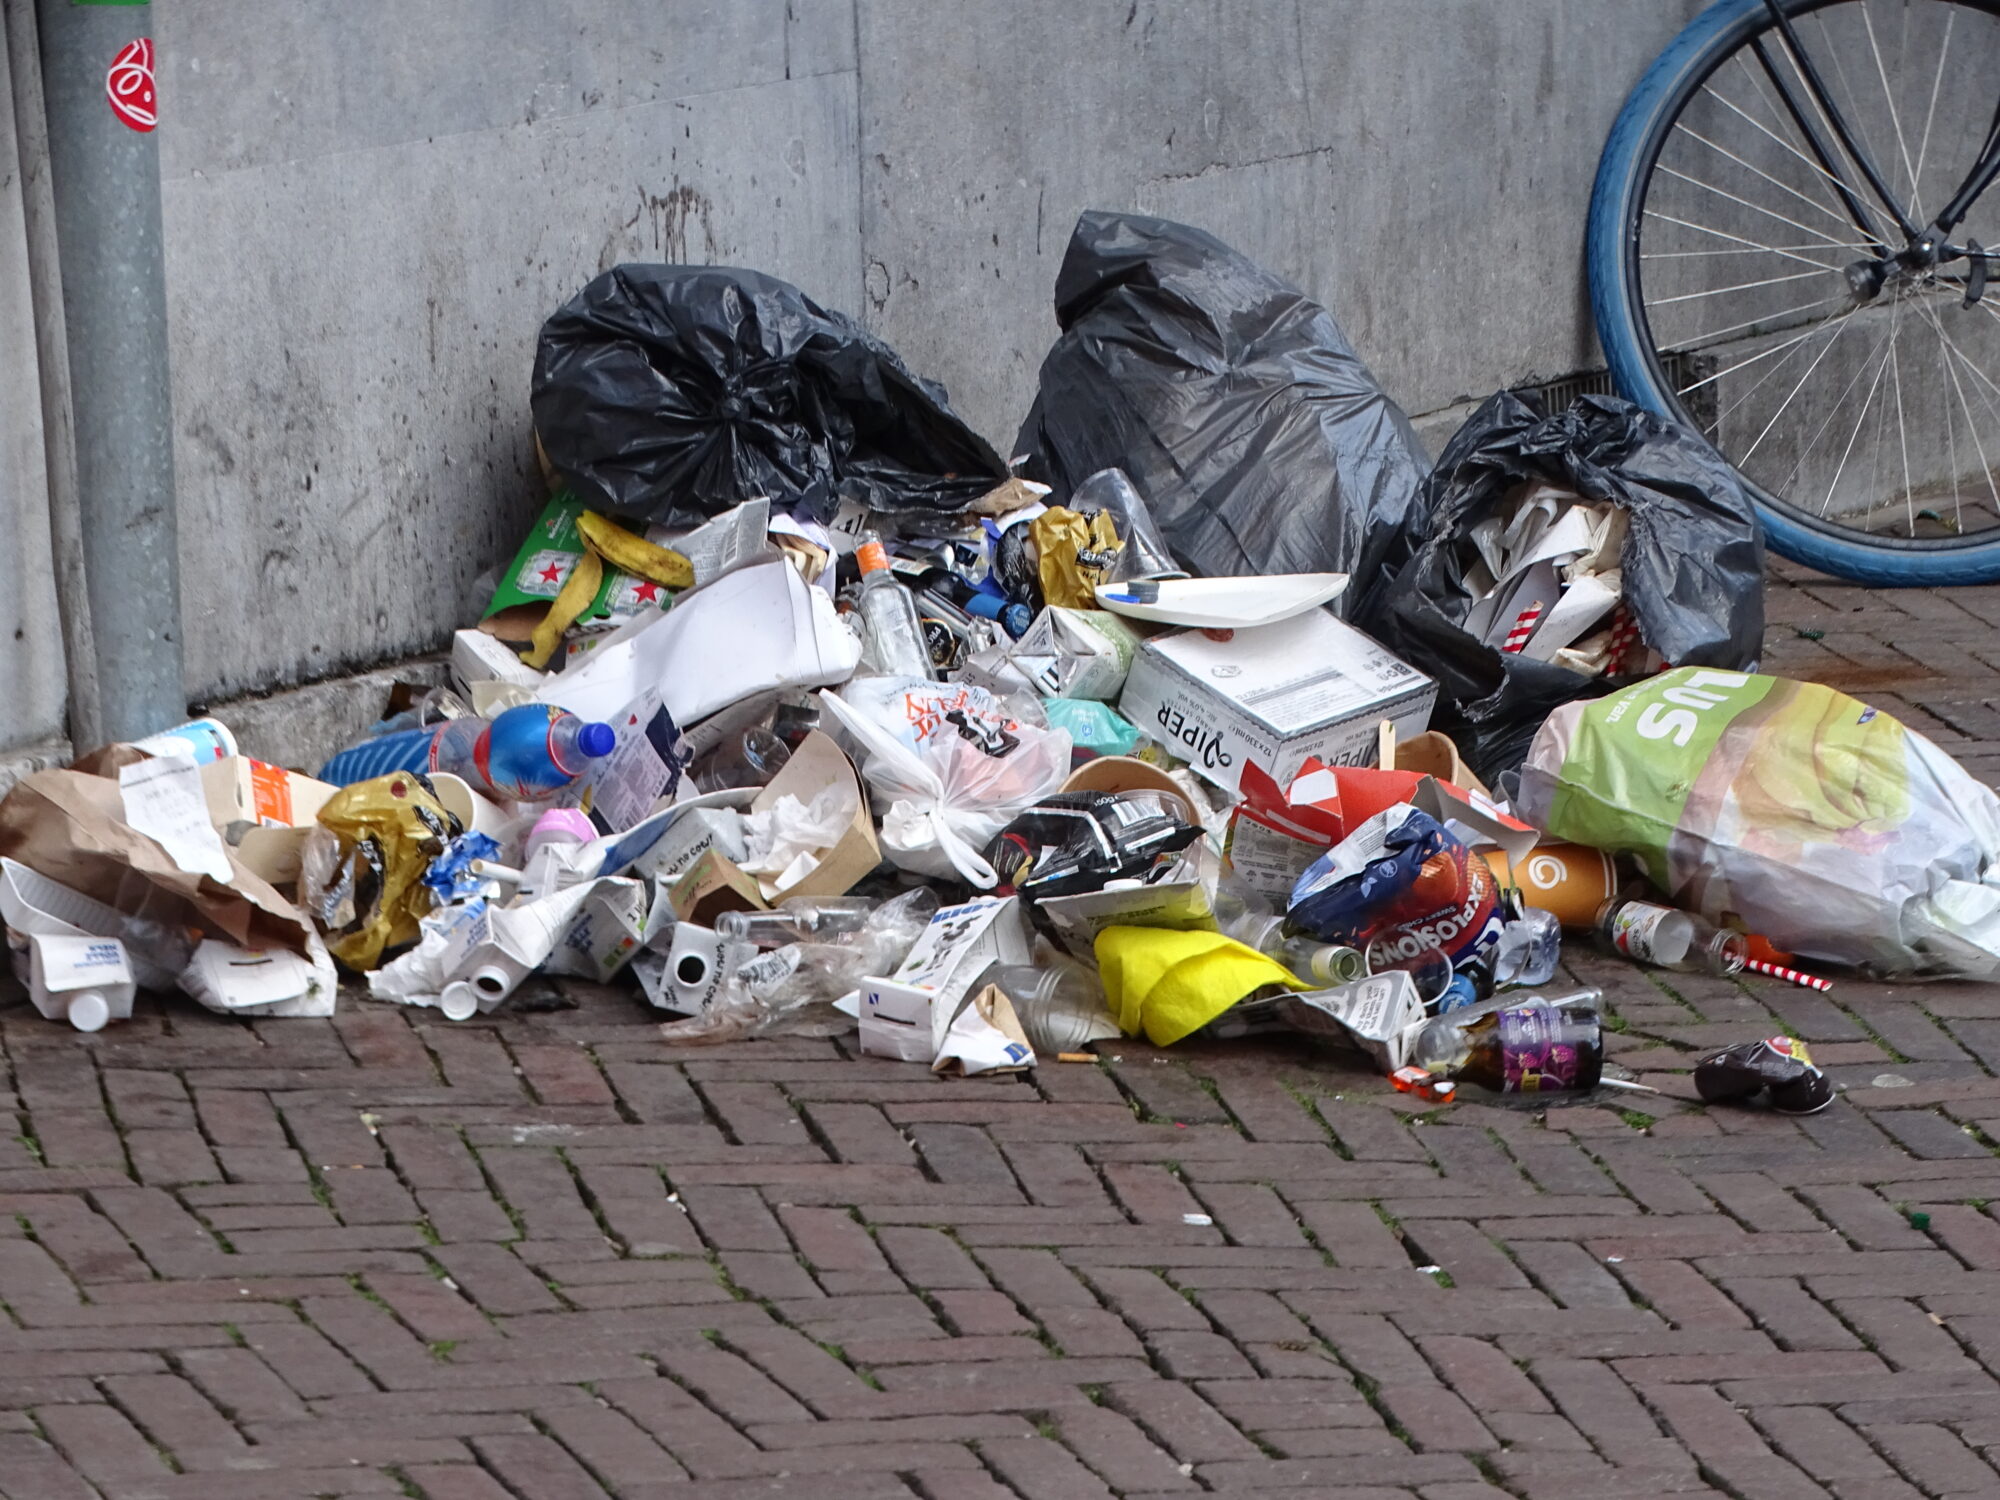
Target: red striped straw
1624	634
1524	627
1793	976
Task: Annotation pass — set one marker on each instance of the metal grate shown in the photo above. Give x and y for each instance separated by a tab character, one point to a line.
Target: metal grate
1683	370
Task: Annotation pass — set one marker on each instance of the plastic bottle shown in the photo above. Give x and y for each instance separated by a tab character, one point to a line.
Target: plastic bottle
799	920
892	637
1007	614
559	827
1529	950
527	754
1670	939
1531	1048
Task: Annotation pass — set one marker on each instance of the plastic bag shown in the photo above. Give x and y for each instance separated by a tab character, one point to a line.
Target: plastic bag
955	762
1785	809
1261	442
1692	563
362	870
671	393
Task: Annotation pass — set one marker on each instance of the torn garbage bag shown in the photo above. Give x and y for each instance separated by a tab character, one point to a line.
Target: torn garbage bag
670	393
1258	438
1784	809
1690	569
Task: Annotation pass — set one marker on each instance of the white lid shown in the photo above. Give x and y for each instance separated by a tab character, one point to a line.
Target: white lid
459	1002
89	1011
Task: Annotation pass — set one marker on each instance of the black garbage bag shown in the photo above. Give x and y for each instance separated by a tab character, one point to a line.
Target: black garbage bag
671	393
1692	565
1257	436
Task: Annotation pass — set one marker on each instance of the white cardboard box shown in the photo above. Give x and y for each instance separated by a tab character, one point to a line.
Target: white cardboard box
906	1015
1272	696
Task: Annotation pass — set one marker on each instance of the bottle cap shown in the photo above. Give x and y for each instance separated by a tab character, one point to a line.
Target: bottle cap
89	1011
596	741
459	1002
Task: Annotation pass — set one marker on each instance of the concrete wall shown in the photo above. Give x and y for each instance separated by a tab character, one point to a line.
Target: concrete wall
32	685
372	204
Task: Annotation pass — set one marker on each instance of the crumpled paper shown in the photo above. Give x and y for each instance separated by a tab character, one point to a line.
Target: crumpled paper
783	843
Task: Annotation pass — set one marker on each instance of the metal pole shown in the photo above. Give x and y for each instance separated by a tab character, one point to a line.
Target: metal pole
106	177
31	134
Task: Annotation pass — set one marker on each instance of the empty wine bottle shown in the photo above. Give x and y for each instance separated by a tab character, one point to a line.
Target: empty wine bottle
1531	1048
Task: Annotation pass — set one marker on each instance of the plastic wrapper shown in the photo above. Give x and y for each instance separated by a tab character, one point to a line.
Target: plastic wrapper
1786	810
362	870
1074	842
1142	551
1094	728
950	765
1073	554
451	877
1780	1065
1691	566
792	989
1260	441
1402	885
671	393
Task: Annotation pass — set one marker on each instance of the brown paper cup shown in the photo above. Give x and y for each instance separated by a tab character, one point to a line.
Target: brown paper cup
1568	879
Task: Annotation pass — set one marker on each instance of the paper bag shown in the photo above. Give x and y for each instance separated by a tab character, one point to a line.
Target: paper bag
70	826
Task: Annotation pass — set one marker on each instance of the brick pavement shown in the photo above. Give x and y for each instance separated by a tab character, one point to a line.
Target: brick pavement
540	1257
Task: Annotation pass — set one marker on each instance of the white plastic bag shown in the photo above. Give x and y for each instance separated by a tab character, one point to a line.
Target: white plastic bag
954	763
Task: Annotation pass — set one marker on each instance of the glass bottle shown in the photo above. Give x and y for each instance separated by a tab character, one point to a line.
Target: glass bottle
1668	939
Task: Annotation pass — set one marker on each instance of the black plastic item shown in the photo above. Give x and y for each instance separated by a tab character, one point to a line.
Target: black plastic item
1235	404
1071	842
1780	1064
1692	565
671	393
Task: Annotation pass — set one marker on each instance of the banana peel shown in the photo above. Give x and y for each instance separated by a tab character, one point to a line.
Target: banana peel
604	541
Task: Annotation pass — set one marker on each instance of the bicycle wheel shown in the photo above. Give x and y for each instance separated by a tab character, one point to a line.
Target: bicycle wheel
1785	251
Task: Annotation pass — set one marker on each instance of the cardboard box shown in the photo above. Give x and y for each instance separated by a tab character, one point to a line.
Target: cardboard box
1272	696
908	1014
283	805
1065	653
815	765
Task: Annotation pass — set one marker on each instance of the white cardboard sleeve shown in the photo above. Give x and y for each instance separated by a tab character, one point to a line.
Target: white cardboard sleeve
1273	696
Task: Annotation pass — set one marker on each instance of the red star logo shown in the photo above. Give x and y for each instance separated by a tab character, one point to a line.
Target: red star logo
552	573
647	593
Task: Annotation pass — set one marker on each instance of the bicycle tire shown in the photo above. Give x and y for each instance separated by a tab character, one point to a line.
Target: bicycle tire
1623	172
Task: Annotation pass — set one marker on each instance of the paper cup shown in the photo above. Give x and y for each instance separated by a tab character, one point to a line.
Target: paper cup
1123	773
1568	879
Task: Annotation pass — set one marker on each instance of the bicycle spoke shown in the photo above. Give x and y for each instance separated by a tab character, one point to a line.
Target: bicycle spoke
1951	429
1842	323
1834	214
1861	150
1779	114
1690	345
1824	265
1866	402
1769	213
1937	84
1745	364
1895	115
1741	286
1839	401
1971	423
1903	428
1750	250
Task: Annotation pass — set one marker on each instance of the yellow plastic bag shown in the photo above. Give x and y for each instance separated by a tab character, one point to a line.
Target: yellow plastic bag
363	867
1169	984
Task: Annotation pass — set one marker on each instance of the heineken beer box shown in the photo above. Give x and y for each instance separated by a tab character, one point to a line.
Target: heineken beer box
1273	695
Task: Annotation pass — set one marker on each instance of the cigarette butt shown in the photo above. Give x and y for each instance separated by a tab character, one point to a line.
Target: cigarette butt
1089	1057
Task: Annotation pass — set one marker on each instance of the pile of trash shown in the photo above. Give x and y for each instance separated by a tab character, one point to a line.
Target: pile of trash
1218	714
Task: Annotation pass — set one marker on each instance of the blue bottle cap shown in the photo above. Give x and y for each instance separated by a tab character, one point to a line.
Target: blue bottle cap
596	740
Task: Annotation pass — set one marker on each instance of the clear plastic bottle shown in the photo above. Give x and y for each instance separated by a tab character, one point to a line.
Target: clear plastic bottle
527	754
1668	939
892	637
799	920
